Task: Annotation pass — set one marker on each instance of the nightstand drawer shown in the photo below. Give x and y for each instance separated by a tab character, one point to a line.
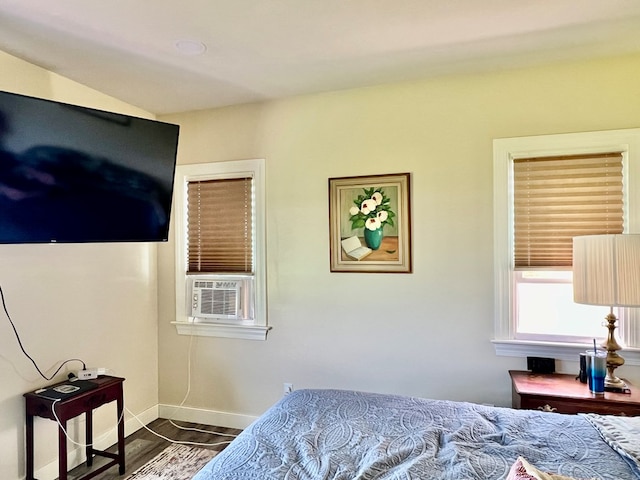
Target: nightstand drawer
559	405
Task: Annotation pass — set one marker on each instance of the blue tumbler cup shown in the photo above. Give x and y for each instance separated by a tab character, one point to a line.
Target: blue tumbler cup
596	371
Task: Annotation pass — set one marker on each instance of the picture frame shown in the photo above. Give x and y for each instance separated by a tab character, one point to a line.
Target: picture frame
370	223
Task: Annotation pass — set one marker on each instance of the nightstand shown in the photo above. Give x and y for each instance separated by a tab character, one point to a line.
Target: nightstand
108	389
562	393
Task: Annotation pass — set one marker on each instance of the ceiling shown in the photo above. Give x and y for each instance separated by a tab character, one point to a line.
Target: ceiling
263	49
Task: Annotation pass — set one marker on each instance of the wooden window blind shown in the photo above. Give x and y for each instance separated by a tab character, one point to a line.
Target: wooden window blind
220	226
557	198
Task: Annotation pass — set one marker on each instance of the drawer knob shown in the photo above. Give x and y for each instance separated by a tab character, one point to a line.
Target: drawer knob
548	408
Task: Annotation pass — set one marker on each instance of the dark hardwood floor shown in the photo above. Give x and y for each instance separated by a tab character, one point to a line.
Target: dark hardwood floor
142	446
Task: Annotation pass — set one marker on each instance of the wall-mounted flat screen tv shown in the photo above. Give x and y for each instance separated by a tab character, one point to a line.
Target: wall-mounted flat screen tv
72	174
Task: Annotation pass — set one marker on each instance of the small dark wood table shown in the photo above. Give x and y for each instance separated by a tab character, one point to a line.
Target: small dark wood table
562	393
108	389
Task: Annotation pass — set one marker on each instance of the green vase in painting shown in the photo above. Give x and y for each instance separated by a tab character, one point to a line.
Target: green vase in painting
373	238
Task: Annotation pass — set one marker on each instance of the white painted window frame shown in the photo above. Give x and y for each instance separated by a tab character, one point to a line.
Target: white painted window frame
505	150
256	330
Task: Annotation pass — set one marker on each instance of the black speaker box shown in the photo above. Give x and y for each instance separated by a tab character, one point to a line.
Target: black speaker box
541	365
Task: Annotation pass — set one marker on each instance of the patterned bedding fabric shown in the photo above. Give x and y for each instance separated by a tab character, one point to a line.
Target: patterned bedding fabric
622	433
345	435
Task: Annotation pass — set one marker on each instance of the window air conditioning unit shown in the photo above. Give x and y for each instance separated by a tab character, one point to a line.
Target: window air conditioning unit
221	297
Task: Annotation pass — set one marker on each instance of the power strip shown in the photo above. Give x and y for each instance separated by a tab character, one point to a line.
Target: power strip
90	373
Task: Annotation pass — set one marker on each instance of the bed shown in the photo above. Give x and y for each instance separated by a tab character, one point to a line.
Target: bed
346	435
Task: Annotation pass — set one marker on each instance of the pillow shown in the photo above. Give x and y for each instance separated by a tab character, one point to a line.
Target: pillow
523	470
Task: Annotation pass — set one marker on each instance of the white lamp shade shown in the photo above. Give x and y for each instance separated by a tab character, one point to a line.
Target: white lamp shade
606	270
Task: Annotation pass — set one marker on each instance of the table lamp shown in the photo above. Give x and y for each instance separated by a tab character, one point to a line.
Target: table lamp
606	271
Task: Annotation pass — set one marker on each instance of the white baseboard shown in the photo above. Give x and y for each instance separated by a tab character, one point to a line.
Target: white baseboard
206	417
76	454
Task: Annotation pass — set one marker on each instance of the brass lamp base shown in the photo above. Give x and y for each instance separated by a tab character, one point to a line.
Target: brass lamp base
611	382
618	387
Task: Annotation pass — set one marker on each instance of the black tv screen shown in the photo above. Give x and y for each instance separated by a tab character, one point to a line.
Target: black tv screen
72	174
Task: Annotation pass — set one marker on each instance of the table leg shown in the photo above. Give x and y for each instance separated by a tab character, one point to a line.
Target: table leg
120	420
89	436
29	441
62	450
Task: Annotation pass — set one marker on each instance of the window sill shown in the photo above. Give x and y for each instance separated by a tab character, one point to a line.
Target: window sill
561	351
246	332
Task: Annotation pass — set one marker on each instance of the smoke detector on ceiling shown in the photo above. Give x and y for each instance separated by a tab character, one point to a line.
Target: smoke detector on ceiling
190	47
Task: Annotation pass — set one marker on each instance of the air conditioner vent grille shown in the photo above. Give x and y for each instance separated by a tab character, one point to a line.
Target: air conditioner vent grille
218	301
215	284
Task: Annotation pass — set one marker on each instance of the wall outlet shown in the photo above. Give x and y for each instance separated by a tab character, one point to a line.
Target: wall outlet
287	388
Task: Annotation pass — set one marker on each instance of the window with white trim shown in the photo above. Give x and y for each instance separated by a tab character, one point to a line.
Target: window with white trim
548	189
220	254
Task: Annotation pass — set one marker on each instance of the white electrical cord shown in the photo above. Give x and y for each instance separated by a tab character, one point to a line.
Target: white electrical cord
184	442
55	415
53	410
186	395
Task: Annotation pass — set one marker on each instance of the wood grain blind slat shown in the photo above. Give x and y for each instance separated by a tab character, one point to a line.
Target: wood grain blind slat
220	226
557	198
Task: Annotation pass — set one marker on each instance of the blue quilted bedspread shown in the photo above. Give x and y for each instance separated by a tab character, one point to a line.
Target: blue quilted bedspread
345	435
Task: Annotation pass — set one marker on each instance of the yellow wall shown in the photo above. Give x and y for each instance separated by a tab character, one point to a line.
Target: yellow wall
427	333
96	302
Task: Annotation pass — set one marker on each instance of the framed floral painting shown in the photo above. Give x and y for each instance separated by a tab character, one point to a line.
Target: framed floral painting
370	223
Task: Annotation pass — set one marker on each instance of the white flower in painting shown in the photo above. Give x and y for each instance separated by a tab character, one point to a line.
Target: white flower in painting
371	210
373	223
368	206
